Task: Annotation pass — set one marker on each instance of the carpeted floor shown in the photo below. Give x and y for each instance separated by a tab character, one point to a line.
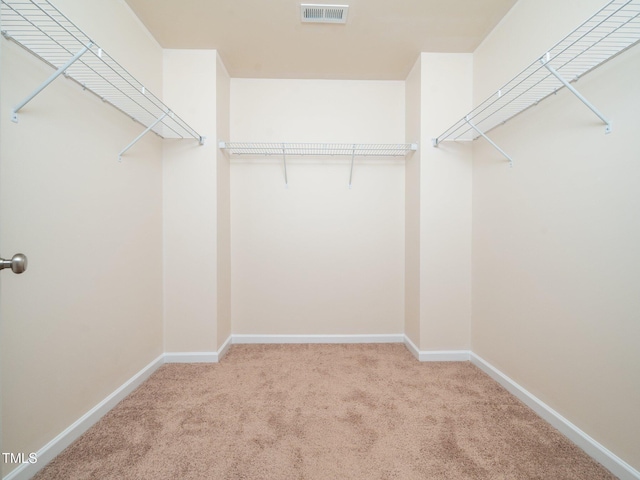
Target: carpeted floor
322	412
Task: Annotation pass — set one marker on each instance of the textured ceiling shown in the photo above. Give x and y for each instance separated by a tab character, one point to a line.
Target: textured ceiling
266	39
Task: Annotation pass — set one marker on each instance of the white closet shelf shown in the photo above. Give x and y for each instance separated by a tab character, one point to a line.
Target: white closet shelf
304	149
44	31
318	149
613	29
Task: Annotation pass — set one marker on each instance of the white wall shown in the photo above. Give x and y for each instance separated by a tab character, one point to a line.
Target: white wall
195	199
317	258
223	174
86	315
555	239
413	119
445	205
438	206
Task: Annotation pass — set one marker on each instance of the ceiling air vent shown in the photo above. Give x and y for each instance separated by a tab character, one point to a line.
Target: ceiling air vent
313	13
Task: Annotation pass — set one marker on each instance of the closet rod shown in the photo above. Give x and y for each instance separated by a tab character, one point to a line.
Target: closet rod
609	32
318	149
41	29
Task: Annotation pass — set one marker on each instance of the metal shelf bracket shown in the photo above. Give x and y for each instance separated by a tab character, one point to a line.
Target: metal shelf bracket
353	156
544	60
284	161
56	74
147	130
481	133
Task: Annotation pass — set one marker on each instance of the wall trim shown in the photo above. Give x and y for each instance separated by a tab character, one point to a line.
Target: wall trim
222	351
274	339
199	357
445	356
595	450
412	347
437	355
77	428
191	357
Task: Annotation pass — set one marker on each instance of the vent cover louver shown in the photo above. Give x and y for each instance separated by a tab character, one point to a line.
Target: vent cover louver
313	13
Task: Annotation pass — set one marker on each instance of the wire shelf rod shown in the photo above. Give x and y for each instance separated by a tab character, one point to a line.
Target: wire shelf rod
41	29
545	77
318	149
266	149
68	31
606	34
113	95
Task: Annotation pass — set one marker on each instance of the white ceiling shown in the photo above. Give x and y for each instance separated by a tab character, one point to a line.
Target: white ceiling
266	39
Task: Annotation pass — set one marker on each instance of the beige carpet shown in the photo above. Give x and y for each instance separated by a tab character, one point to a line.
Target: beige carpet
322	412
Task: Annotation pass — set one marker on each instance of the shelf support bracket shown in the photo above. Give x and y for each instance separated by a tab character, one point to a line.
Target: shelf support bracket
353	155
284	161
545	62
466	119
56	74
147	130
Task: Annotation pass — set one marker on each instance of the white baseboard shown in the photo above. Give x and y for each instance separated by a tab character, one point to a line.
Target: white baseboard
222	351
411	347
75	430
595	450
191	357
198	357
268	339
436	355
444	356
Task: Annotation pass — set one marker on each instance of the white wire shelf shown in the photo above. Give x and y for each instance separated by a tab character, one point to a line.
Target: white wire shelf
318	149
44	31
613	29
